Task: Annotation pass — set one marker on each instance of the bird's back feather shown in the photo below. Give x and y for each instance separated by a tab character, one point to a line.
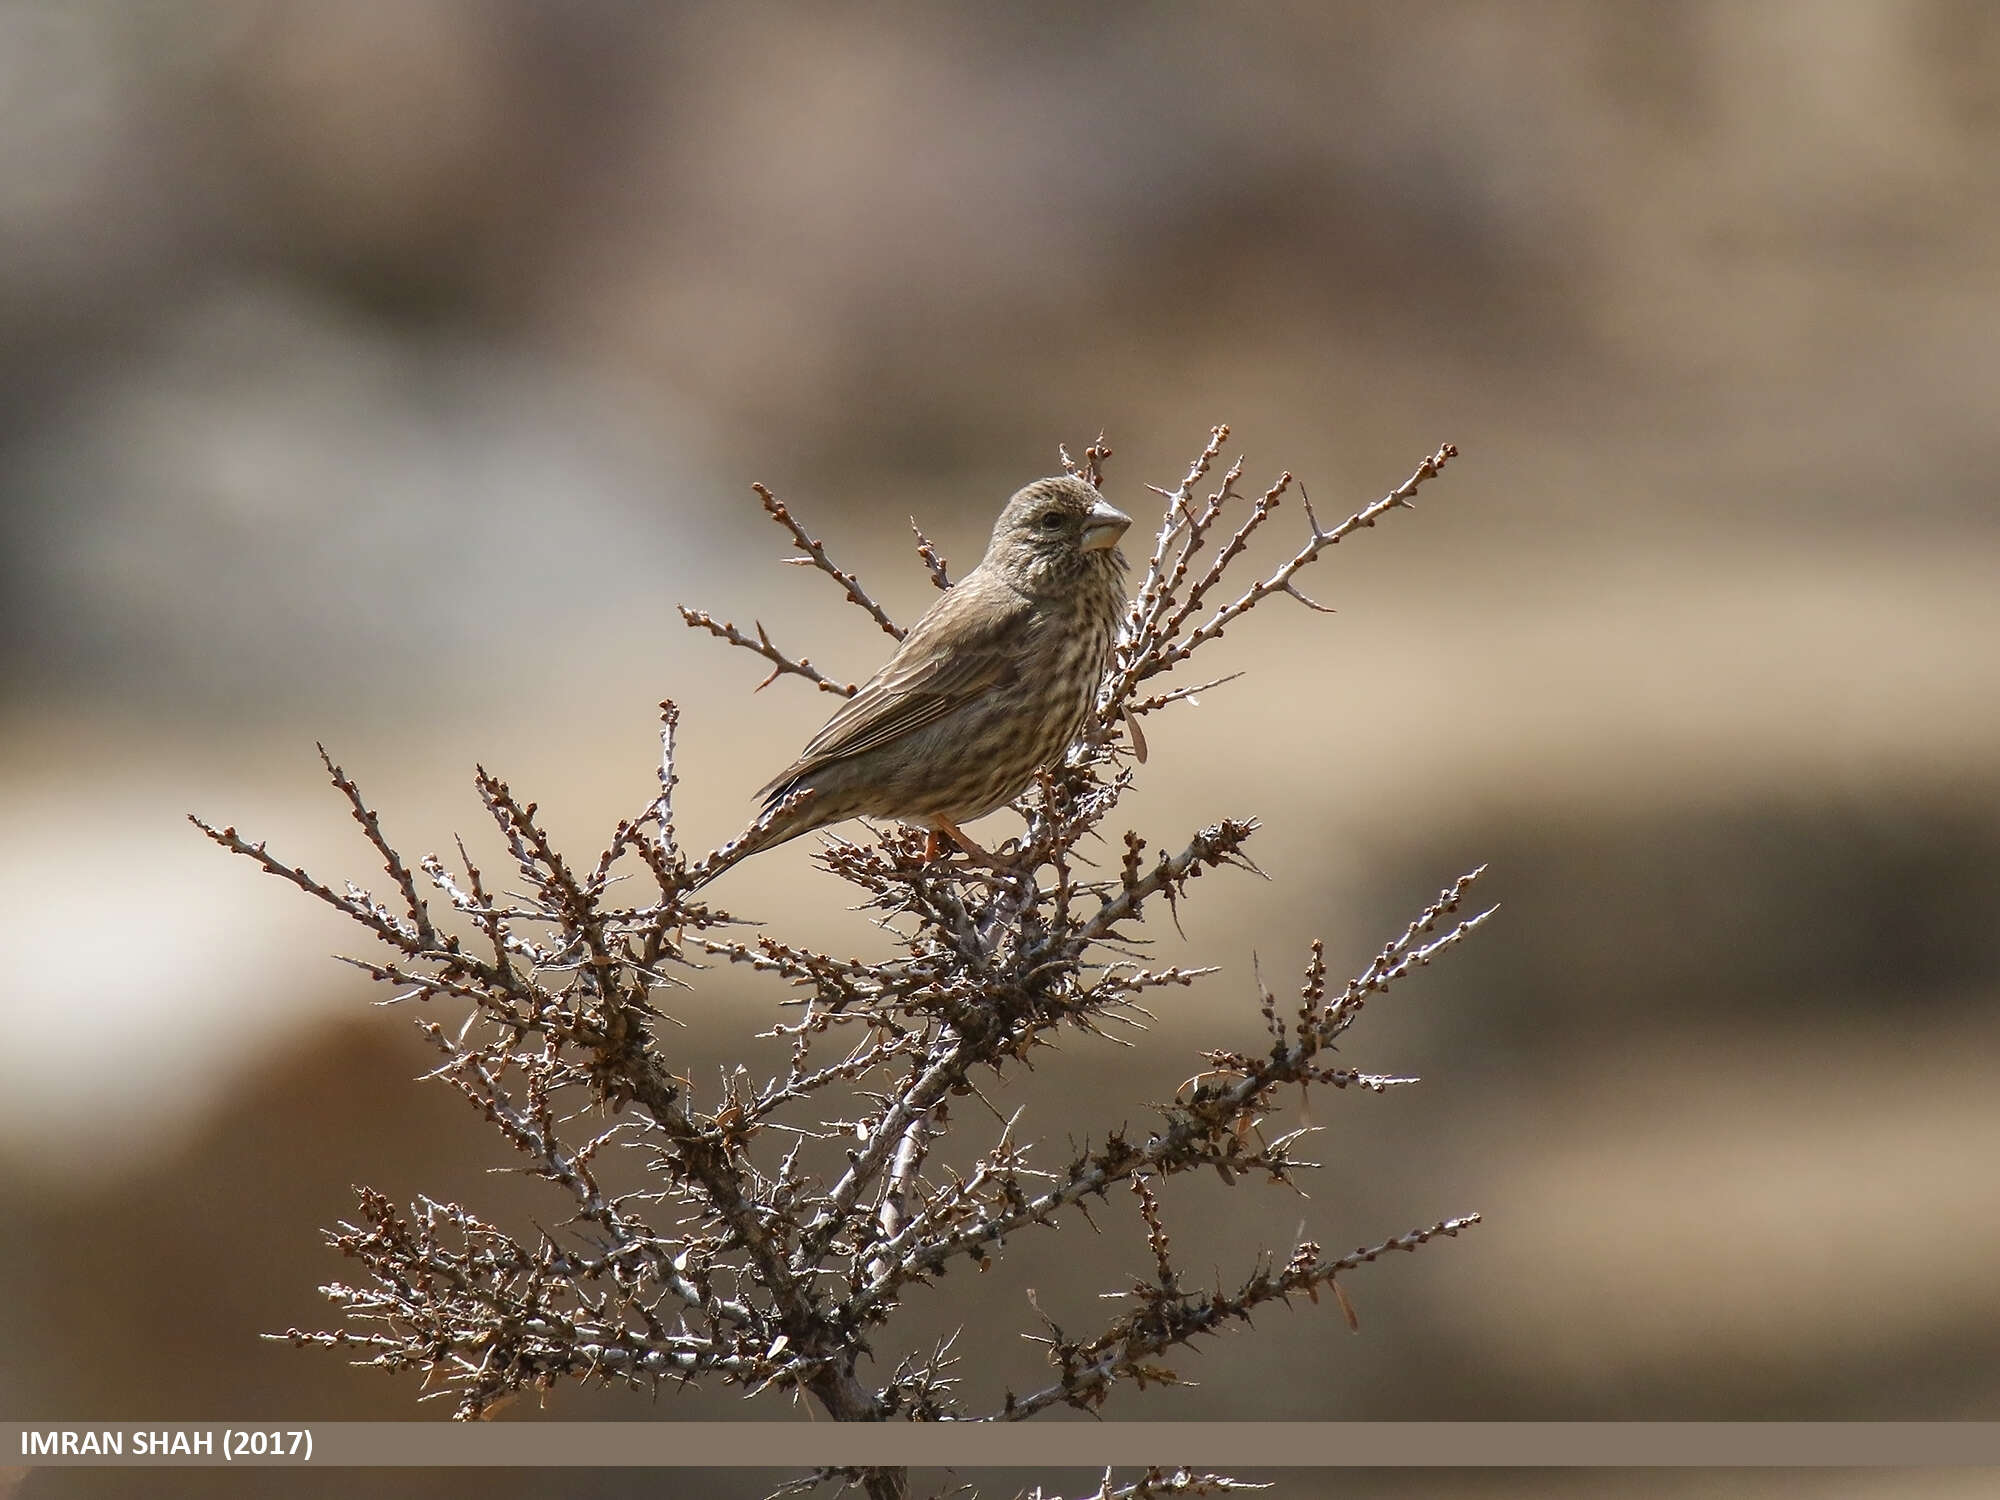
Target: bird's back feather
966	645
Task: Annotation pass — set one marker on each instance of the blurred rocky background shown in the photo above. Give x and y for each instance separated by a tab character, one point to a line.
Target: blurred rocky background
383	373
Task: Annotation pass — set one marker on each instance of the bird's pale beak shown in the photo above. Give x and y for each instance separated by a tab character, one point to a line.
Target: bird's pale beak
1103	526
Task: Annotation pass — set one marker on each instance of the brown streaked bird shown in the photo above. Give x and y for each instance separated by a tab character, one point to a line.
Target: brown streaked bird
994	681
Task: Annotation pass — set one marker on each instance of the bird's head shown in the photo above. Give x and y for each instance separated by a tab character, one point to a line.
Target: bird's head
1054	529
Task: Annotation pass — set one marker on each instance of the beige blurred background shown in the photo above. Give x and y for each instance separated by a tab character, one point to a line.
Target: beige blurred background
383	374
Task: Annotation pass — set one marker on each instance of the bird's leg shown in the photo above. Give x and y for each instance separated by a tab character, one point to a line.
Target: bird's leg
941	829
961	838
974	855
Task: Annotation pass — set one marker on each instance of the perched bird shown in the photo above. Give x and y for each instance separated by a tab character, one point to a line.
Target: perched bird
995	680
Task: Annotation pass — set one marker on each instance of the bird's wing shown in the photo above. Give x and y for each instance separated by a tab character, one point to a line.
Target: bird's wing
966	645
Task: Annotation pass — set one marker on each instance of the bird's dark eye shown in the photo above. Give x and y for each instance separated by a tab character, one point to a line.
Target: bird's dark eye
1051	519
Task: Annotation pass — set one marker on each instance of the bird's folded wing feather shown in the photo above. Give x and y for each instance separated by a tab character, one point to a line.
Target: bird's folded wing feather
969	644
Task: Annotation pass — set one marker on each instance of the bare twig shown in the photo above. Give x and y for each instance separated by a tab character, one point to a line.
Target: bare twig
931	558
815	556
1091	468
781	664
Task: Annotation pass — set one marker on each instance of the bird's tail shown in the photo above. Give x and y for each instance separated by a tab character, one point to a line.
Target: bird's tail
783	818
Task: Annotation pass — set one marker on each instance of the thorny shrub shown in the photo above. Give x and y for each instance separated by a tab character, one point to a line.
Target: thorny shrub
740	1262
